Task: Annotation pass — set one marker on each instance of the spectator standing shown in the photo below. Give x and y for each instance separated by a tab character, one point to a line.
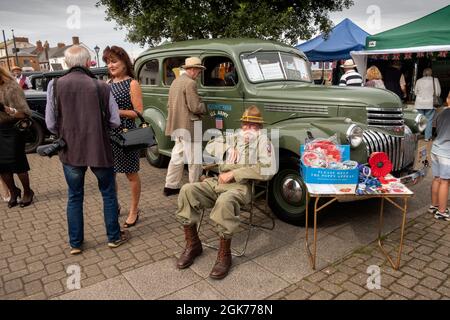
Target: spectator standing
80	122
394	79
374	78
350	77
13	160
440	164
184	109
424	98
23	81
128	95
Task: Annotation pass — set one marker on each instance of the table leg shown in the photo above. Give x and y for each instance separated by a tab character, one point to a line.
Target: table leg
311	255
395	265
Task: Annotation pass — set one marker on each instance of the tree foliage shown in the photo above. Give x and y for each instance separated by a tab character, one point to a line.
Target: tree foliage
150	21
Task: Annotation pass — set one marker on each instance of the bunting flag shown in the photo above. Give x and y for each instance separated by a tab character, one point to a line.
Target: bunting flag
408	56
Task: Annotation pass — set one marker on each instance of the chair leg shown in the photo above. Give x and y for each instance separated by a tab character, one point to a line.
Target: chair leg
234	252
265	211
251	225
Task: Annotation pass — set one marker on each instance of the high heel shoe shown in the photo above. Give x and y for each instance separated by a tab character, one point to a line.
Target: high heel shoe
27	203
128	225
13	200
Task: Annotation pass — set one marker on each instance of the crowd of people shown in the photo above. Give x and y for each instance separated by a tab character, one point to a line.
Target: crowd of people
425	88
108	108
104	109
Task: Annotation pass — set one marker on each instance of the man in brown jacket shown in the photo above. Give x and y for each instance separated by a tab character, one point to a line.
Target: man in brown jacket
185	108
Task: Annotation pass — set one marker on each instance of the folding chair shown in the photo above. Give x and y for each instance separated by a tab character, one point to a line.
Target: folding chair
259	189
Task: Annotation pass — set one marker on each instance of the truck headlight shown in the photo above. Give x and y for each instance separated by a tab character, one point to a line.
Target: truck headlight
421	122
354	135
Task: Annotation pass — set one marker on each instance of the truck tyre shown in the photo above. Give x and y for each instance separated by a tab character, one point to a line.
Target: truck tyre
34	137
155	158
287	192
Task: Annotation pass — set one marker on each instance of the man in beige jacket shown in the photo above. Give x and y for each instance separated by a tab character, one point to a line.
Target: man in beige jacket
184	109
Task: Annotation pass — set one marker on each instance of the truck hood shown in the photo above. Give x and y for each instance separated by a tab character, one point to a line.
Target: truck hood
326	95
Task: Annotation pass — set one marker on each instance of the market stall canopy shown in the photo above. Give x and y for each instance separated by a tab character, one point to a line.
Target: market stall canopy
430	33
430	30
343	38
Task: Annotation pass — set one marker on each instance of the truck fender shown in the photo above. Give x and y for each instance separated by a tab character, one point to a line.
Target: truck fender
157	120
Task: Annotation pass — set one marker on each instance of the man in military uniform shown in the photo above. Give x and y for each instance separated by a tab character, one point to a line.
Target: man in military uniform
250	156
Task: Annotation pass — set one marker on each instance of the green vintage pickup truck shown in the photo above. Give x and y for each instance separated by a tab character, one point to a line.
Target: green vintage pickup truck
277	78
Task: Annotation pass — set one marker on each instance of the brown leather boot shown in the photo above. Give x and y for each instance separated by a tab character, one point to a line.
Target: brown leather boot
223	262
193	247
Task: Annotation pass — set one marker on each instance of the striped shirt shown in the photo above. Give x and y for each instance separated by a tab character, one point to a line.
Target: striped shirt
351	78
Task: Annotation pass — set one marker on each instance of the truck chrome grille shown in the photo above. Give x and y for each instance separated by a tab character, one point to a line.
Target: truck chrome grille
410	143
399	149
385	117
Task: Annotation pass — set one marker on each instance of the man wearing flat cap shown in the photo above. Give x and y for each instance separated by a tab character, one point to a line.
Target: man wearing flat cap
249	156
184	109
21	79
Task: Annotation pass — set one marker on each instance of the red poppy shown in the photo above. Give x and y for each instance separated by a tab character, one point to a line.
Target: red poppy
327	148
313	159
380	164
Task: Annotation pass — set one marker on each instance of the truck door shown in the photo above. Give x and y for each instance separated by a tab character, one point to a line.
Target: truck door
221	91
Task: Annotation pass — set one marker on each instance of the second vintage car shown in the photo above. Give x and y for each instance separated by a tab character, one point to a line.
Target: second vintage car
37	100
277	78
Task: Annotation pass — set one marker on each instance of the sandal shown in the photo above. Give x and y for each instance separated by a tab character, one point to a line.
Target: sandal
128	225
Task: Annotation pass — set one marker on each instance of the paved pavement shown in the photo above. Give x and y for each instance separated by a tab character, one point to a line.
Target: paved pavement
35	262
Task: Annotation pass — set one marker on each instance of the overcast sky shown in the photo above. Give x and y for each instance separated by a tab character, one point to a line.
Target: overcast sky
58	21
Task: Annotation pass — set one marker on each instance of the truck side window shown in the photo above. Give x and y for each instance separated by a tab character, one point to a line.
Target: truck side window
220	72
149	74
172	69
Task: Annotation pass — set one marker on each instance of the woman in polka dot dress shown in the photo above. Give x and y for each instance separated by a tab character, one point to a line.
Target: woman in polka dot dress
128	95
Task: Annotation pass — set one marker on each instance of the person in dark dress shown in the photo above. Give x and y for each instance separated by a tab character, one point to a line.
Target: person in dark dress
13	160
394	80
128	95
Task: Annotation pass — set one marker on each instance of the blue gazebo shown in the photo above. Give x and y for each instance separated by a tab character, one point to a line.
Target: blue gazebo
343	38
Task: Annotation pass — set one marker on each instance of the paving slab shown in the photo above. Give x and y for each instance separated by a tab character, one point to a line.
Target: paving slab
249	281
159	279
116	288
291	263
198	291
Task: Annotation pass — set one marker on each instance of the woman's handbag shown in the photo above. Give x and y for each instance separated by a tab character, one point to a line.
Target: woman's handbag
437	101
135	139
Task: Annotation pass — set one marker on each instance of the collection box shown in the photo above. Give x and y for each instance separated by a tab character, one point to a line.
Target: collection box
330	176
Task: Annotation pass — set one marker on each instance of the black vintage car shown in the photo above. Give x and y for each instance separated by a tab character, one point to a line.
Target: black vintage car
37	100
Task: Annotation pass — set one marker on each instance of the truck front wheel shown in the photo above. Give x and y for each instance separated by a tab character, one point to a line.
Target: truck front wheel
287	192
155	158
34	137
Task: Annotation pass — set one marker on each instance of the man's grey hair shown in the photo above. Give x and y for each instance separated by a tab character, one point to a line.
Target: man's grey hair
427	72
77	56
